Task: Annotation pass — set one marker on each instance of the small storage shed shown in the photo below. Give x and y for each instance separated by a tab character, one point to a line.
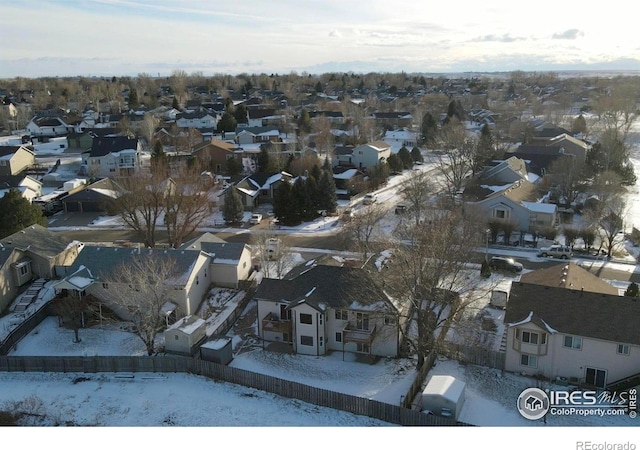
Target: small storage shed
218	350
184	336
443	396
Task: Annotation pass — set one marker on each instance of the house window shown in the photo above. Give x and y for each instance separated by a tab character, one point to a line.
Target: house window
623	349
197	280
306	340
306	318
389	320
362	321
362	348
24	268
105	285
501	214
320	319
529	338
342	314
573	342
528	360
321	341
176	337
338	337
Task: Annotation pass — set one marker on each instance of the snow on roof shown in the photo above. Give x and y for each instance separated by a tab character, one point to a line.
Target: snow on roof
548	327
229	262
248	192
540	207
80	282
522	322
445	386
347	174
168	308
188	324
106	192
216	344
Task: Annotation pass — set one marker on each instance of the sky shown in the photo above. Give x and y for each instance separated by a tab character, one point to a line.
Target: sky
128	37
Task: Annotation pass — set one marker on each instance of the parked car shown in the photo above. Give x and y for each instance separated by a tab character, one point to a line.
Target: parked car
556	251
369	199
255	219
505	263
346	215
401	208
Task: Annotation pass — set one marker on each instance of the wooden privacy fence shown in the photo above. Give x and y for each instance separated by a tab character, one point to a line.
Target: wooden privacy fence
131	364
474	355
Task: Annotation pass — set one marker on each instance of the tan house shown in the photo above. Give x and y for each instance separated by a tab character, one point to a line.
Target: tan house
187	285
215	154
516	203
230	261
43	252
560	330
14	272
362	156
14	159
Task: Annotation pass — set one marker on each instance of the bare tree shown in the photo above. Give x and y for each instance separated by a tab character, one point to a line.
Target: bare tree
272	253
70	309
139	289
186	205
429	272
417	193
142	202
148	128
566	174
457	162
363	229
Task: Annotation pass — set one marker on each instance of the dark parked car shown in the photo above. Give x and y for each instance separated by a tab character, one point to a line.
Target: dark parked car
505	263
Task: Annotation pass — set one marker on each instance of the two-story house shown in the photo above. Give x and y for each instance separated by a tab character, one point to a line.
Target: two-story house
328	308
516	203
215	153
362	156
15	158
188	283
198	119
263	117
113	156
260	187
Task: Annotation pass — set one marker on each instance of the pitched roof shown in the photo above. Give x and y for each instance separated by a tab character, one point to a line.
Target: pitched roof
39	240
325	286
259	113
6	150
581	313
102	146
569	276
103	262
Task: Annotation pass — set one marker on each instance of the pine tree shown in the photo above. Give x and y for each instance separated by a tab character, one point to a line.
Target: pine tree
284	205
327	192
405	157
233	210
18	213
175	104
429	129
395	163
632	290
227	123
416	154
133	99
263	159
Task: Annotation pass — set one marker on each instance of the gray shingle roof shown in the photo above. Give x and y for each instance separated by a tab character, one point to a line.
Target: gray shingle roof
581	313
331	286
103	262
39	240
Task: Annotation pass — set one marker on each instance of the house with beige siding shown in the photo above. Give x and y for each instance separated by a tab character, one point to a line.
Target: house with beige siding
362	156
324	308
564	331
15	158
188	284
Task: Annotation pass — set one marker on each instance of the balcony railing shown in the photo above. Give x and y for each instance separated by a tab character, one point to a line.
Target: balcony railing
272	322
351	334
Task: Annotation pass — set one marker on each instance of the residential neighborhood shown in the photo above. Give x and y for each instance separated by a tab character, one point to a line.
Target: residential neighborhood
222	225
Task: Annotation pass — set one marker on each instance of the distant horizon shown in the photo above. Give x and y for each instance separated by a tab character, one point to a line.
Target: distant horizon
127	37
462	74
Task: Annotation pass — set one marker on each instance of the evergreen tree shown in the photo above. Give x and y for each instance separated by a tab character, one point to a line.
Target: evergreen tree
240	113
263	159
579	125
133	99
227	123
327	192
18	213
485	149
302	200
233	167
175	104
313	191
632	290
416	154
395	163
284	205
233	210
316	172
405	157
429	129
304	121
326	165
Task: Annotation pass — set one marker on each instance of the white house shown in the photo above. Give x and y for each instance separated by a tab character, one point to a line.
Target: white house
196	119
322	308
362	156
113	156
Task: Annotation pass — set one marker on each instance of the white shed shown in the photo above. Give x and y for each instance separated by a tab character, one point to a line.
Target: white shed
184	336
443	396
